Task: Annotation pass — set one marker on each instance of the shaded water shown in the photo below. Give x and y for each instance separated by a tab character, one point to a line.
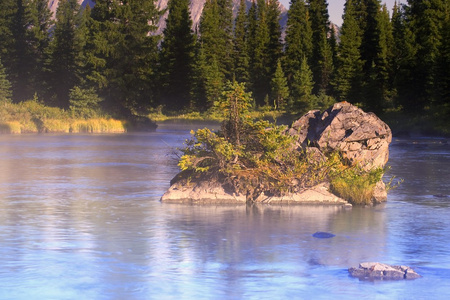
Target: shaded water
80	217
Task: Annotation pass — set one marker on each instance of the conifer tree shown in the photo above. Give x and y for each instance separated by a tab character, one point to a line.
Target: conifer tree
5	86
443	69
65	49
322	55
259	57
426	19
348	80
241	58
177	54
374	54
403	56
302	88
39	40
298	40
125	51
274	47
280	90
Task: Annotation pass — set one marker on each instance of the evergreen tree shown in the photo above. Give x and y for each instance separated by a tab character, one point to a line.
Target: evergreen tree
443	69
5	86
322	55
216	34
65	49
348	80
280	90
426	19
260	70
39	41
298	40
17	57
302	88
274	47
241	58
125	53
226	37
403	56
177	53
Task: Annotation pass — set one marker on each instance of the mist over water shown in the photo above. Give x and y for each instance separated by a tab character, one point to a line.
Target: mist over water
80	216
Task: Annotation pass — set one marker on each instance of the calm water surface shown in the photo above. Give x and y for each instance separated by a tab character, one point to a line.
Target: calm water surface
80	218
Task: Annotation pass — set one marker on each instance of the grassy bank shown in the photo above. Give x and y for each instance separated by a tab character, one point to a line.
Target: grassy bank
260	113
33	117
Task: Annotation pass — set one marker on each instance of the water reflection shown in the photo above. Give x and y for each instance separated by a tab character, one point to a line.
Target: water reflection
81	214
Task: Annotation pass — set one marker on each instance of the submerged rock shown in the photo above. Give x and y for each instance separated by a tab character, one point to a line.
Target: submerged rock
379	271
323	235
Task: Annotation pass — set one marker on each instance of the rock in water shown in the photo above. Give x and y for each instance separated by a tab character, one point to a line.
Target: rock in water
362	137
323	235
379	271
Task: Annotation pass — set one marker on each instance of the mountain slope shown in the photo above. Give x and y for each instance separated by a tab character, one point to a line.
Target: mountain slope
196	7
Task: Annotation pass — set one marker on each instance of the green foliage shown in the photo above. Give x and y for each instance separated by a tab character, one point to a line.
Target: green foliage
234	104
252	158
298	41
5	86
84	103
352	183
322	56
177	56
280	90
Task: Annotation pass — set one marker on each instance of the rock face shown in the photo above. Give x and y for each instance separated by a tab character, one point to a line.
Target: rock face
379	271
361	137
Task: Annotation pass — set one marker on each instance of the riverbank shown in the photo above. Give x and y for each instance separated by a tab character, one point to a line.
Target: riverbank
34	117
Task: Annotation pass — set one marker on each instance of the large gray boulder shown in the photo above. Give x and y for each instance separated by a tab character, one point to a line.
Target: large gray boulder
379	271
362	137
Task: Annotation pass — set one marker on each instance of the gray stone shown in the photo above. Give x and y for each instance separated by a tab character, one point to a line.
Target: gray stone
184	191
379	271
362	137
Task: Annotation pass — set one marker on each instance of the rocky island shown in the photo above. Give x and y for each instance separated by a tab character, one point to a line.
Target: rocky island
335	157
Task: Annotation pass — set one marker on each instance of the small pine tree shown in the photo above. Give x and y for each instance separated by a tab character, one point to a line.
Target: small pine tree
280	90
302	97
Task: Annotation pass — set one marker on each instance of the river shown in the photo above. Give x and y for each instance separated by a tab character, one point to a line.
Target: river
80	218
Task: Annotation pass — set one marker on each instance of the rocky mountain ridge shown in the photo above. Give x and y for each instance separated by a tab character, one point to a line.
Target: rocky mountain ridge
196	7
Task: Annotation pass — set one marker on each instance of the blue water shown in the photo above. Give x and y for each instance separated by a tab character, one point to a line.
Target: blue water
80	218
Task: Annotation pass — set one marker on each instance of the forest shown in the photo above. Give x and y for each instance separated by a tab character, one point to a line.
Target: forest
108	59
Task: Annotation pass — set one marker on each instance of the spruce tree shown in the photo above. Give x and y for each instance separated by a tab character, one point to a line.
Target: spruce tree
177	54
125	53
349	76
302	89
322	55
65	49
280	90
298	40
426	19
274	47
443	70
241	58
5	86
403	57
39	40
259	58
